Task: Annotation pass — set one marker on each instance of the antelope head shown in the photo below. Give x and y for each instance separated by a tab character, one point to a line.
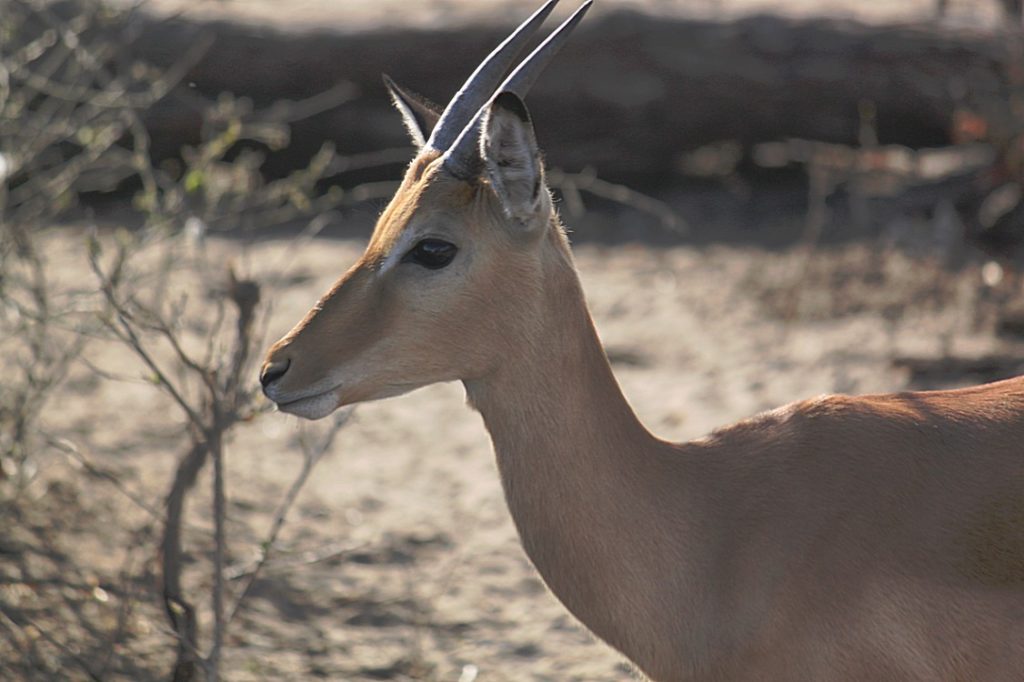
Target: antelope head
451	277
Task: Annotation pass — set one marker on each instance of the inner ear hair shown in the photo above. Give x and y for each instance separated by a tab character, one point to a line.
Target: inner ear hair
511	102
511	158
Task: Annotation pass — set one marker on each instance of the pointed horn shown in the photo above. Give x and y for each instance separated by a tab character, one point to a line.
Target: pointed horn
462	157
479	87
522	79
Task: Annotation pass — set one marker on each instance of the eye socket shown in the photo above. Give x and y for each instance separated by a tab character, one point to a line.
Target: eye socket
432	254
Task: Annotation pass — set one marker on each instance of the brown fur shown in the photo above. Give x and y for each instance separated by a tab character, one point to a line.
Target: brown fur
841	538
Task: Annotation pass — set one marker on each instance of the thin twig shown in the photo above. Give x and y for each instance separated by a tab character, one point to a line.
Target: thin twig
72	450
290	111
308	557
82	663
311	456
126	333
588	181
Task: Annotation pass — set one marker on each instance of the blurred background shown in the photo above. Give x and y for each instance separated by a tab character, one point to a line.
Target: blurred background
769	200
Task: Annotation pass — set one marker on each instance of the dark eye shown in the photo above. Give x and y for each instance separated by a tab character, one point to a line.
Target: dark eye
433	254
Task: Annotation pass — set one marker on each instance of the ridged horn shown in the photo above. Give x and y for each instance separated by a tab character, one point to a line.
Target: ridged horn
463	157
479	87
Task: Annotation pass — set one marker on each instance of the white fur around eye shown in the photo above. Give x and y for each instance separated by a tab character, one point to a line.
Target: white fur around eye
405	242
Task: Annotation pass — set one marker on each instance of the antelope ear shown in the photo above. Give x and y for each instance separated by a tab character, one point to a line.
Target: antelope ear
419	114
512	161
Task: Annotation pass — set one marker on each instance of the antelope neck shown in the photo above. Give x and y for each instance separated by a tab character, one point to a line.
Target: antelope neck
571	453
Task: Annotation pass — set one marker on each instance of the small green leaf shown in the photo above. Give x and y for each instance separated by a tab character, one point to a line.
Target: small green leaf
194	180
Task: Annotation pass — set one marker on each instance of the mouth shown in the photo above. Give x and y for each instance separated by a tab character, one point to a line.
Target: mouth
319	405
312	407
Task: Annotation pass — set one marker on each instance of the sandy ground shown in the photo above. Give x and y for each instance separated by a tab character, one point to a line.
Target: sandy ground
400	560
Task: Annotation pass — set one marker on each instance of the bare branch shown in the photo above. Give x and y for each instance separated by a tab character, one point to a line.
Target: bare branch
588	181
86	668
72	450
312	455
126	333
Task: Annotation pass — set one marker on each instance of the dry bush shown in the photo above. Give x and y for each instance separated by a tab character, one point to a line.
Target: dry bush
71	122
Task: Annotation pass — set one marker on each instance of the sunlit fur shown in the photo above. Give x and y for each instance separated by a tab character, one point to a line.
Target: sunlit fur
861	539
382	331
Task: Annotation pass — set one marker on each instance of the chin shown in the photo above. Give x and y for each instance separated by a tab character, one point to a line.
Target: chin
312	408
319	406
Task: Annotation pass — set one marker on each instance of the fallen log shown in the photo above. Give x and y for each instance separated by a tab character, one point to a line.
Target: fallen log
628	96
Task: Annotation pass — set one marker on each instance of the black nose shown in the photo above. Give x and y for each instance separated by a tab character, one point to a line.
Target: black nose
273	371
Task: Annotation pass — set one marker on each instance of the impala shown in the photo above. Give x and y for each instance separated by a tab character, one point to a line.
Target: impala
866	538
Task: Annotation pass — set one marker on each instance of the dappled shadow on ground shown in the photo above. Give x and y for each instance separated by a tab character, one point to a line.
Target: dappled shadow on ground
64	614
399	561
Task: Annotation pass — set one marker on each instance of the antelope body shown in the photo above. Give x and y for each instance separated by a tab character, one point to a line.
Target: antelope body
840	538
